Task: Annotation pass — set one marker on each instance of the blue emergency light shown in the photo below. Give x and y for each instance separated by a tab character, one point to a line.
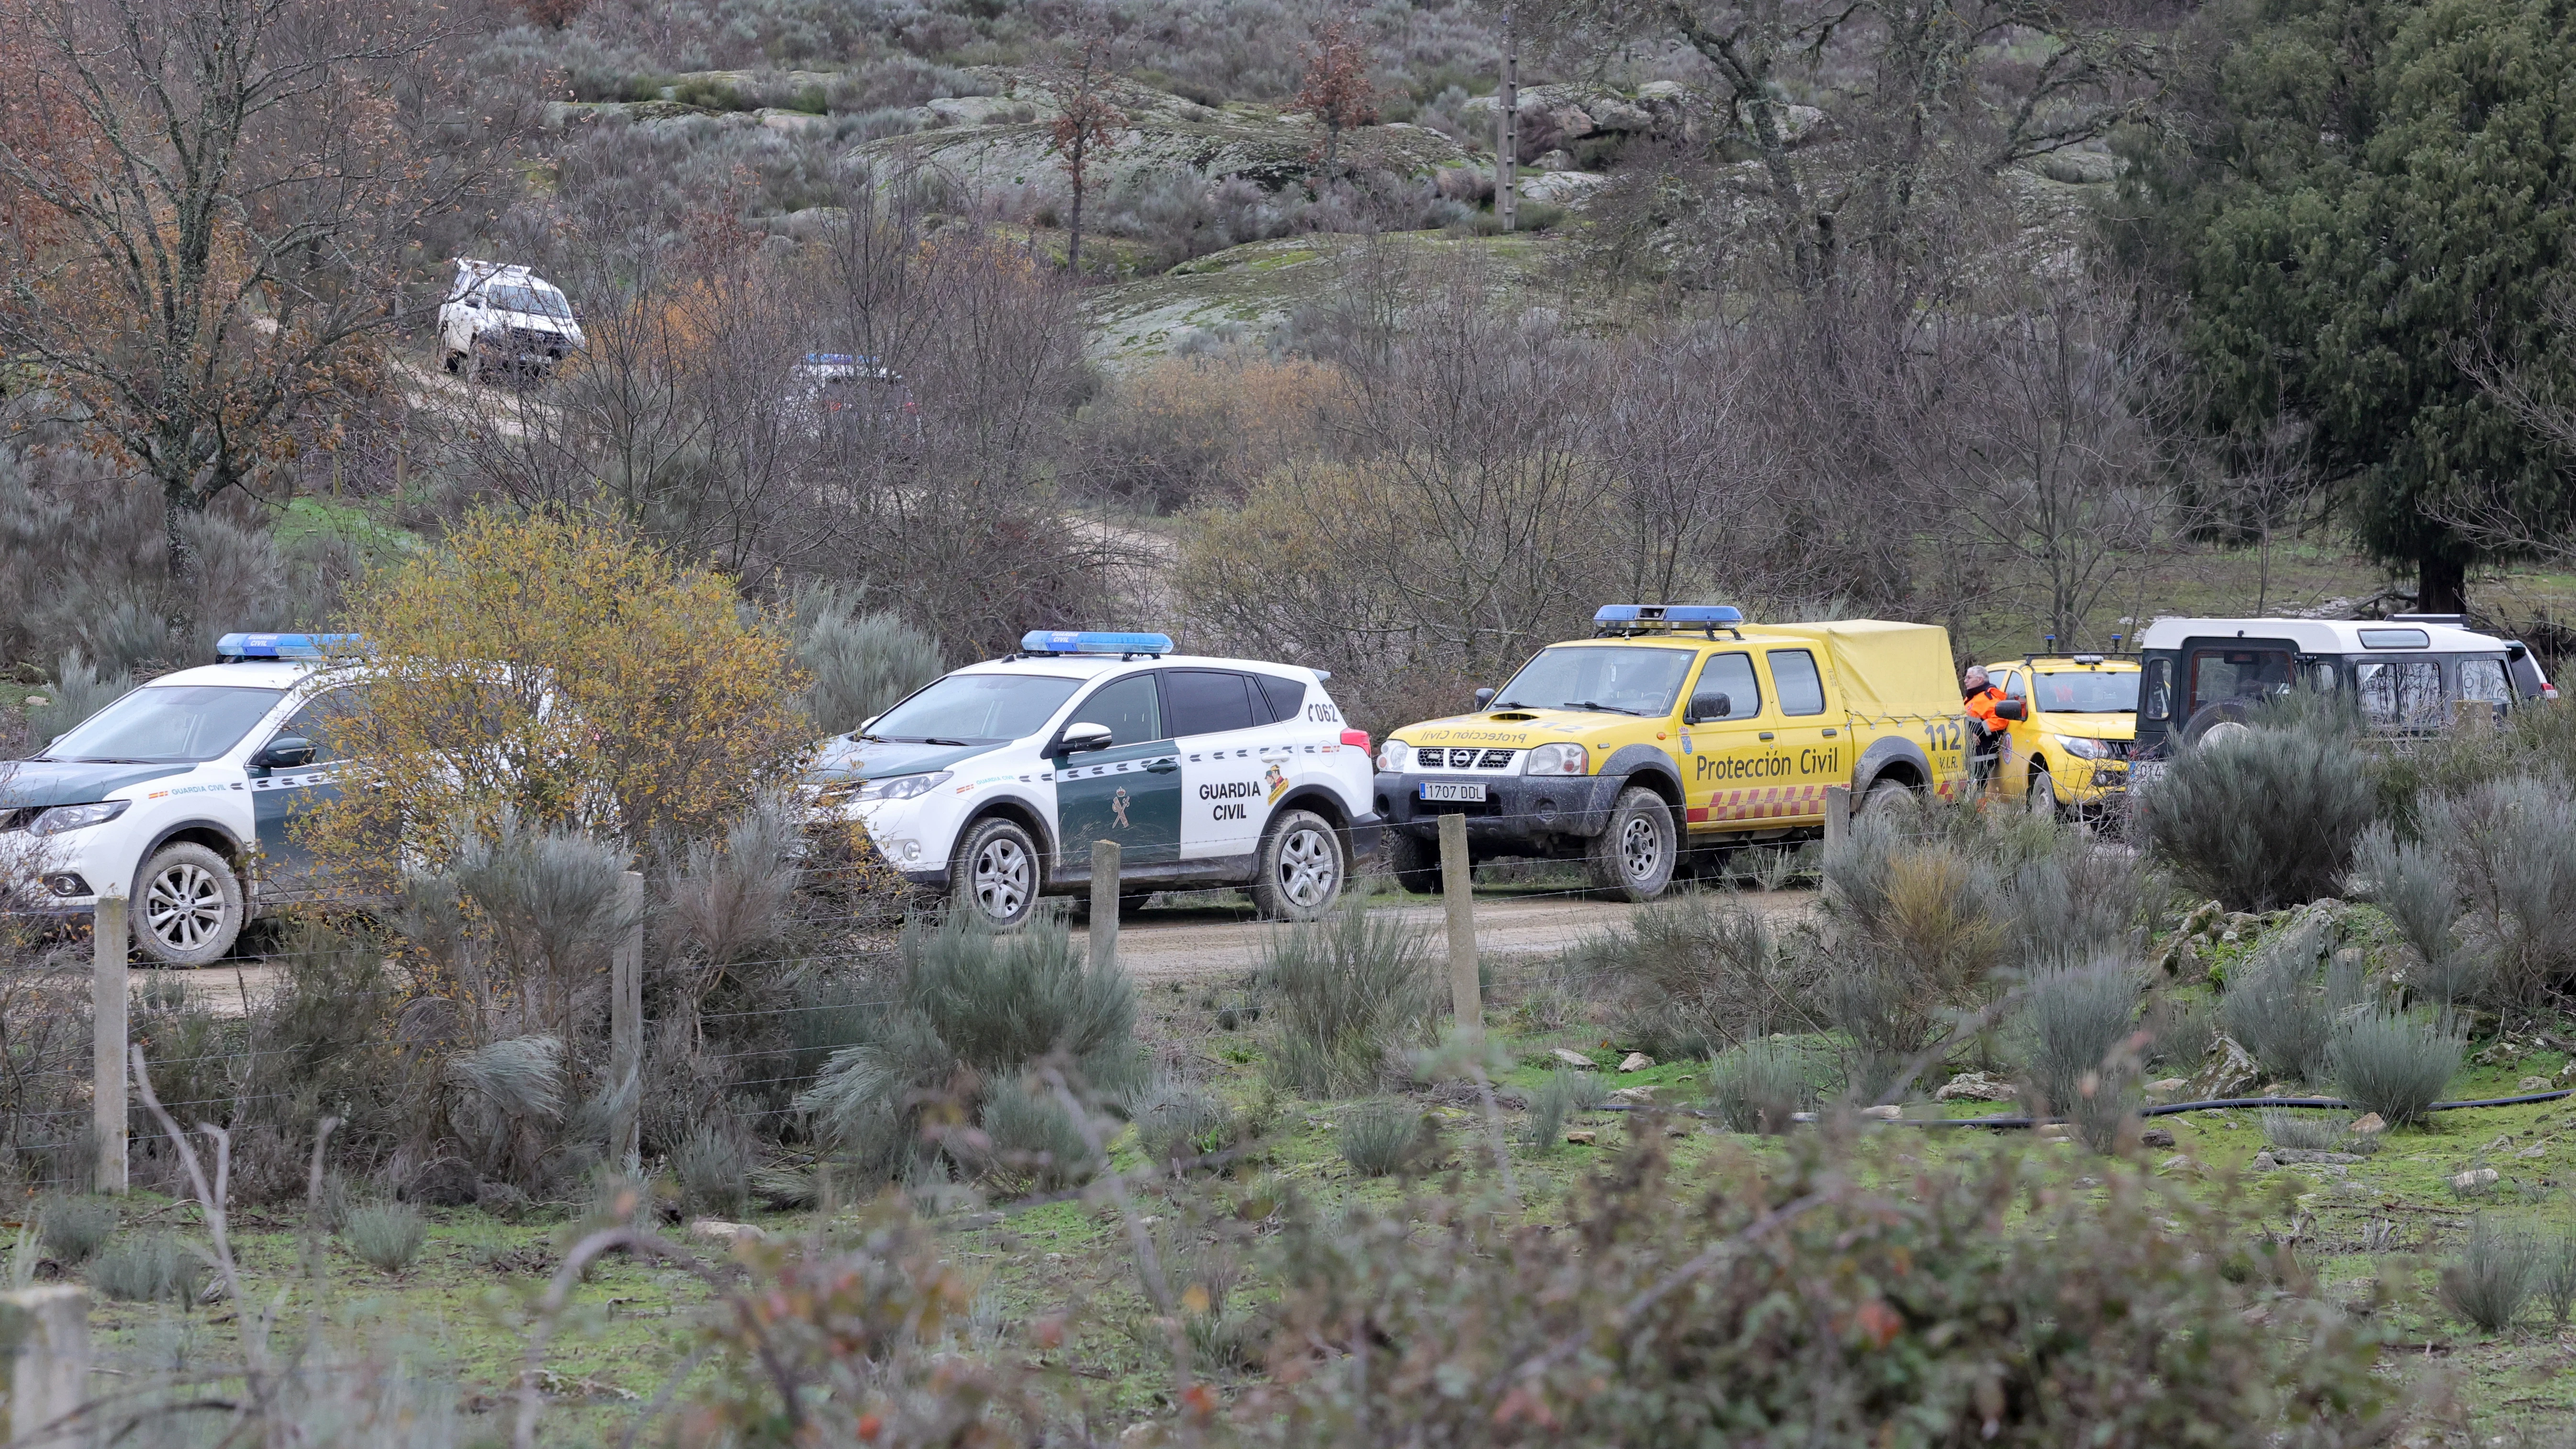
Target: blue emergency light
1700	616
284	646
1081	641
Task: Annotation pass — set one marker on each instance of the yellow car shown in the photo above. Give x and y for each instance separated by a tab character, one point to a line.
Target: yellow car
2070	751
1676	728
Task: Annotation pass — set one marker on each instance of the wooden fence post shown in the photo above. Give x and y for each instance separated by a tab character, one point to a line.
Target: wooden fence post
44	1349
1837	814
1104	904
108	982
1457	886
626	1031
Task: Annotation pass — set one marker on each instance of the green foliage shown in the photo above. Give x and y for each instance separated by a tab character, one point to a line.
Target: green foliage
1559	1095
2554	1281
1177	1121
1757	1086
152	1268
861	663
2276	1009
77	691
2368	187
73	1229
2299	1131
2073	1036
386	1235
1695	971
2491	1279
2393	1064
2262	818
1035	1144
714	1171
1978	1305
1343	993
1381	1137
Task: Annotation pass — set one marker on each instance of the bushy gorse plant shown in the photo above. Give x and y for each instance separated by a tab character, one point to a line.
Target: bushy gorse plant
73	1229
1343	993
1759	1085
2490	1280
149	1268
2392	1063
1558	1096
2265	817
386	1236
1381	1137
1693	972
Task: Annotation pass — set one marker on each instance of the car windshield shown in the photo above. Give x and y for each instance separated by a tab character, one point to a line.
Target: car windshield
976	709
167	724
543	301
2088	691
1612	678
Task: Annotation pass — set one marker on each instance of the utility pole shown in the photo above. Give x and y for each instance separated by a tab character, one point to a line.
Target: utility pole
1507	145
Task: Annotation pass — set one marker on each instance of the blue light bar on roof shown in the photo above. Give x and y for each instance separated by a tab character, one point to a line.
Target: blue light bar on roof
1079	641
1696	615
284	646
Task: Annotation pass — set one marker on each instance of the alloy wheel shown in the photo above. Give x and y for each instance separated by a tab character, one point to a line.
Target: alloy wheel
1306	872
184	907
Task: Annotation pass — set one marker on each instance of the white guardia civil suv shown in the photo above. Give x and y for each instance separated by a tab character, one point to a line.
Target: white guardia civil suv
991	783
178	795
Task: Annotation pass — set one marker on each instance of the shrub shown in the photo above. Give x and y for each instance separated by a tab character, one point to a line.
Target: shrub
1926	908
2263	818
2180	1032
2393	1064
2413	884
714	1171
386	1236
153	1268
1176	1121
2555	1280
972	1003
1693	972
2075	1027
1342	994
76	692
730	899
2274	1009
1559	1095
1758	1086
1973	1306
1036	1146
2491	1279
861	663
2511	851
72	1229
2303	1131
1888	1019
1381	1137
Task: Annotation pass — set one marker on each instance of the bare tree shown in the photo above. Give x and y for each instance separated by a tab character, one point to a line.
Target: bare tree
1336	89
210	201
1087	122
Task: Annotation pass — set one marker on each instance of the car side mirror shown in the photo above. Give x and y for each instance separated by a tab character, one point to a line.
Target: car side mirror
286	752
1484	697
1708	707
1082	738
2013	709
866	725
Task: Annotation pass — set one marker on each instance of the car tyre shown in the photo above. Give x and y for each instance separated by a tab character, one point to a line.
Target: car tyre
187	905
1413	861
1886	797
454	362
2043	794
995	873
1300	867
1633	855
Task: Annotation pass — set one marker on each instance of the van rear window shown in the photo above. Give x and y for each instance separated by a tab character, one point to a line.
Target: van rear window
2395	639
2238	674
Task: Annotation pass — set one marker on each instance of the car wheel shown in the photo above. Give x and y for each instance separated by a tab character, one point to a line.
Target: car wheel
1634	855
187	905
2218	721
2043	794
995	874
452	362
1886	797
1300	864
1414	862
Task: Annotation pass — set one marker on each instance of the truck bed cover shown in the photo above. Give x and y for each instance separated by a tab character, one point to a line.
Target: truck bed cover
1888	670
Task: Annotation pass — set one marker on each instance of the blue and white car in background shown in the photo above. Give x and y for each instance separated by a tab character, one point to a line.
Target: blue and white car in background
991	783
178	796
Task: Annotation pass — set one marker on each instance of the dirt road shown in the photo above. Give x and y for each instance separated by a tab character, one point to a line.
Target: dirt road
1201	942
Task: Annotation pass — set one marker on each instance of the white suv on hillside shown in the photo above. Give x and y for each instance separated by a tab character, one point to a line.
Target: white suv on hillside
178	795
505	320
989	784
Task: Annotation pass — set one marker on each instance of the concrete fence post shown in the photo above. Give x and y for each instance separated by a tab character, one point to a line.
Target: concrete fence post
44	1344
626	1030
1457	887
1837	814
108	986
1104	904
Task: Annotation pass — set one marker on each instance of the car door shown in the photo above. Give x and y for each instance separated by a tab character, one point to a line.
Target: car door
284	793
1723	759
2013	748
1129	792
1800	725
1226	785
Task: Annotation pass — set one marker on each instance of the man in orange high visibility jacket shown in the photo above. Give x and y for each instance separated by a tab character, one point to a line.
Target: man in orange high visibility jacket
1981	698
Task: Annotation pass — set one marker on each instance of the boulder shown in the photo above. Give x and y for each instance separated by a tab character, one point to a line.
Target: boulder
1576	1060
2230	1073
1560	188
1889	1113
723	1234
2053	1132
2166	1086
1975	1087
2369	1124
2532	1084
1634	1096
2159	1137
1581	1136
2263	1162
2475	1179
1635	1062
2311	1155
446	1183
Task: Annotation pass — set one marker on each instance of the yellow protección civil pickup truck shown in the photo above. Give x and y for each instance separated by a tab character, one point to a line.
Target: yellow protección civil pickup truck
1676	729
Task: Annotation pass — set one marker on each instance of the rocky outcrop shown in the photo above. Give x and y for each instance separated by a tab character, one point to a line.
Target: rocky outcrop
1560	117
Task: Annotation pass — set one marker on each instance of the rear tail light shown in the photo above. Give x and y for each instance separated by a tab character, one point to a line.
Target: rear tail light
1358	739
2549	691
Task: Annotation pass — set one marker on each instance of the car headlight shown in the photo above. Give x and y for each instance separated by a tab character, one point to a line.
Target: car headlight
1395	757
901	787
2082	748
1557	759
77	817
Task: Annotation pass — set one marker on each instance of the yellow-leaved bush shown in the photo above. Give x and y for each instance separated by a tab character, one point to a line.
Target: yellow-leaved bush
549	668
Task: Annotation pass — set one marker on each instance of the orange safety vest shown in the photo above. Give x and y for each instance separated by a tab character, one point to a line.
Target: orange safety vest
1982	705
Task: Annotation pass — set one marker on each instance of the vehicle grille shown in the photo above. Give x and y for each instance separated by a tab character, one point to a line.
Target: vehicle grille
529	339
1462	757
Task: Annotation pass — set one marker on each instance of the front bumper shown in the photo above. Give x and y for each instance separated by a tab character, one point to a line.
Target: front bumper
1519	808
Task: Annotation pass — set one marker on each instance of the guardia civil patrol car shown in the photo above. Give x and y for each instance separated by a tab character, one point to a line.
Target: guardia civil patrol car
178	795
991	783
